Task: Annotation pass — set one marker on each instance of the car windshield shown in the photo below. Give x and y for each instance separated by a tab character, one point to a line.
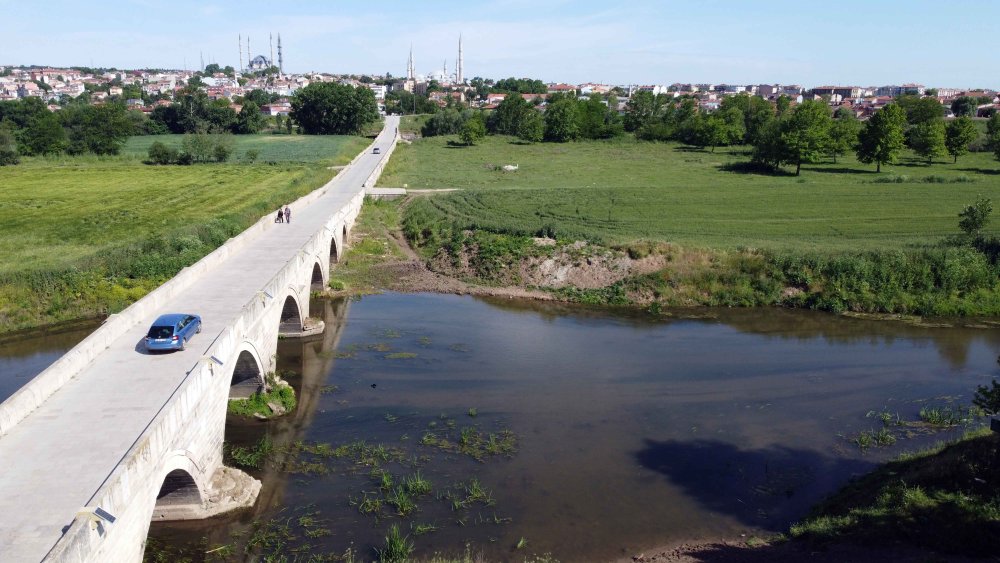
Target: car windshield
161	332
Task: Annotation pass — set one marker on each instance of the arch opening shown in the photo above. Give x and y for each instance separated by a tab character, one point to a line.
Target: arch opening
334	253
317	278
291	319
247	377
178	488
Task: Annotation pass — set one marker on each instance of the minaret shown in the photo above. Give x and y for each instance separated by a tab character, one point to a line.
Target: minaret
248	52
270	39
281	60
409	65
461	63
444	70
240	48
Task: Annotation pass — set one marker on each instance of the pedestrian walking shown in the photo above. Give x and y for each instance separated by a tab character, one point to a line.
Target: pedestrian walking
281	217
288	214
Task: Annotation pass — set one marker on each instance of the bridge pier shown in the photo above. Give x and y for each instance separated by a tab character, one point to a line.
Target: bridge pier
230	489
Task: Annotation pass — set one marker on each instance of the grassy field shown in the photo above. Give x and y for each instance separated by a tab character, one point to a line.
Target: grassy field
622	190
81	236
317	149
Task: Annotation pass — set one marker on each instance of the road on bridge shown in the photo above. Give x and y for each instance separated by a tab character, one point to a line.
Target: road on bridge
58	457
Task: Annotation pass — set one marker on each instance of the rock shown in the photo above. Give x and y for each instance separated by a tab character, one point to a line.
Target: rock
259	416
276	408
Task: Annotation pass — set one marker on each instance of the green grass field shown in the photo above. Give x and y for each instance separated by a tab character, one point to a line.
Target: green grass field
622	190
86	235
318	149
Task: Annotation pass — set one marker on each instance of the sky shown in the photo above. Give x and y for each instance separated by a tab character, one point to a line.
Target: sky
865	43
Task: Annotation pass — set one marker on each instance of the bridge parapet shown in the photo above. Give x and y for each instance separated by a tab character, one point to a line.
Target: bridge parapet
184	439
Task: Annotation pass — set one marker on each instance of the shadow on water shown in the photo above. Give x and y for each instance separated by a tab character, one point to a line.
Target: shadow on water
766	488
951	342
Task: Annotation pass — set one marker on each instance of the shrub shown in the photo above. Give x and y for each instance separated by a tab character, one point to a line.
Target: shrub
9	157
988	398
160	153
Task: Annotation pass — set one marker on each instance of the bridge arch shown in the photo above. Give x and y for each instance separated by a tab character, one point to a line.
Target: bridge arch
318	281
248	373
291	315
180	496
334	251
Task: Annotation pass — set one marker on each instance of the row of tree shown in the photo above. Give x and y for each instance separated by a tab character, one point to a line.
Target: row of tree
781	134
28	128
566	118
193	112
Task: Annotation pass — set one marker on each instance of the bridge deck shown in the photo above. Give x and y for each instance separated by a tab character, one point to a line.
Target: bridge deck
54	460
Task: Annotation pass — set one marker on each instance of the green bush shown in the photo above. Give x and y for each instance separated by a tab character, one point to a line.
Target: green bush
160	153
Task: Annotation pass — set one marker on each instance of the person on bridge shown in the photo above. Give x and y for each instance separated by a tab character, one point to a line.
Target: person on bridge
281	217
288	214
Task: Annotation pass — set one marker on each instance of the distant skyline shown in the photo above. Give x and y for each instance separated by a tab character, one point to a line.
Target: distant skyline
645	42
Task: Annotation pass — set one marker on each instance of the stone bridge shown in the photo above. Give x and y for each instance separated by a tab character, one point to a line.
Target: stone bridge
109	437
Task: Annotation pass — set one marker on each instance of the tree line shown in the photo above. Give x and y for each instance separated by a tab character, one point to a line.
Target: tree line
782	134
28	128
566	118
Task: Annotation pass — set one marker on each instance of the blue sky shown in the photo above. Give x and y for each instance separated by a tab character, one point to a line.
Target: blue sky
870	42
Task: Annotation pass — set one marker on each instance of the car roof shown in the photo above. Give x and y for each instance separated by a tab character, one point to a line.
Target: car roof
170	318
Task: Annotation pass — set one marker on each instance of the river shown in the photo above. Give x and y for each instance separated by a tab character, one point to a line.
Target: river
631	430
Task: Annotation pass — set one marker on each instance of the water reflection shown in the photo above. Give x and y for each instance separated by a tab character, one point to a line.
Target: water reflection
633	430
24	357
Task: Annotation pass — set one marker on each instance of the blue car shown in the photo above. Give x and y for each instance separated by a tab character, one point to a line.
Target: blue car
171	332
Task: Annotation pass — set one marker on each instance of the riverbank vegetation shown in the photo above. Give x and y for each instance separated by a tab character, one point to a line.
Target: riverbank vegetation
84	236
943	498
837	238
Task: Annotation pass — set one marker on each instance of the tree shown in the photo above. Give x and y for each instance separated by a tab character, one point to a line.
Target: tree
97	129
927	139
782	104
259	97
520	86
993	134
958	135
506	118
560	121
881	139
474	129
327	108
975	217
595	120
8	145
711	131
843	133
250	120
920	110
964	105
756	112
532	127
44	135
447	122
641	109
805	134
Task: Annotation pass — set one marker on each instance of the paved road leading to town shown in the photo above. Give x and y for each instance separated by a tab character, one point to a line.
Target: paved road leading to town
54	460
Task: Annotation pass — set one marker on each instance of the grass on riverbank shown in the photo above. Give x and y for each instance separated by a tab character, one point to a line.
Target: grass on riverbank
838	238
86	236
622	190
373	233
943	499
